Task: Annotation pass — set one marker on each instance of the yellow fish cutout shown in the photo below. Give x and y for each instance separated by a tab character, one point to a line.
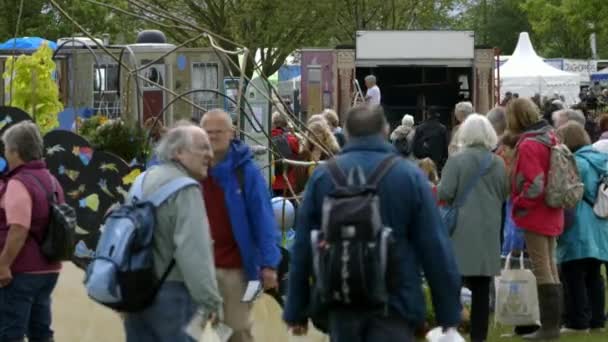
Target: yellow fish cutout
109	167
81	231
73	175
91	202
130	178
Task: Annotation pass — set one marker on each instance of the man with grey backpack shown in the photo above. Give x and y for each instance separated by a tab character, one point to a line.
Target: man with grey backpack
366	228
154	259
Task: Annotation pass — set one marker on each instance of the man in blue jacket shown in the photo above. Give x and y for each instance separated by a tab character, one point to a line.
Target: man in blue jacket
408	207
242	223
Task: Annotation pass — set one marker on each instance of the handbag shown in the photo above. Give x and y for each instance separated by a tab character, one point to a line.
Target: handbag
516	296
449	213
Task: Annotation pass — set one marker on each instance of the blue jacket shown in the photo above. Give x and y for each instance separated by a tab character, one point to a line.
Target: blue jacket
408	207
251	216
588	235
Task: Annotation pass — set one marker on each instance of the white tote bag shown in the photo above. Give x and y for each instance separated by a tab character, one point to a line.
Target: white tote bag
209	334
516	296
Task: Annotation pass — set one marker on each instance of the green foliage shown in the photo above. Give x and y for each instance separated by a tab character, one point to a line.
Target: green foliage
562	27
115	136
31	87
389	15
559	28
41	19
497	23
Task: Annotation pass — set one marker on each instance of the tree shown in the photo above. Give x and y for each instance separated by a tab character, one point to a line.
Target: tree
40	18
270	29
563	27
354	15
32	88
497	23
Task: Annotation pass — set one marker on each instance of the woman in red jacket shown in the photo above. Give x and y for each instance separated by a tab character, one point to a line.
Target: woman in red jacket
541	223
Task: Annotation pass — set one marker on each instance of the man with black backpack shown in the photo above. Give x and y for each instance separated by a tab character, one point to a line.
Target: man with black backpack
366	228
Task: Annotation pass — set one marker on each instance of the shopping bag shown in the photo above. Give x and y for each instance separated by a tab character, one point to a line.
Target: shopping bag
209	334
516	296
438	335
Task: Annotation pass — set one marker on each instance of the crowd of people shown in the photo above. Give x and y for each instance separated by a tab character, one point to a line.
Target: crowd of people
493	168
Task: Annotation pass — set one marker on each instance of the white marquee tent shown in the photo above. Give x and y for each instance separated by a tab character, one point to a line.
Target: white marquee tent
527	74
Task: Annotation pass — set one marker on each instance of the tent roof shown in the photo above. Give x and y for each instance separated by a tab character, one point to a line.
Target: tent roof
26	43
526	63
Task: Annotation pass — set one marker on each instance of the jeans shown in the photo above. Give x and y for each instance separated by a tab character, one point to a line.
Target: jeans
166	319
541	251
585	300
356	326
480	306
25	308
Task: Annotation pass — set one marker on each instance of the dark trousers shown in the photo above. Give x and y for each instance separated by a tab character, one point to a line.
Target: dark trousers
480	306
165	319
25	308
354	326
585	298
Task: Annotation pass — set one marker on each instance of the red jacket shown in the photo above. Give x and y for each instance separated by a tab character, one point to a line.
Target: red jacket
279	181
529	180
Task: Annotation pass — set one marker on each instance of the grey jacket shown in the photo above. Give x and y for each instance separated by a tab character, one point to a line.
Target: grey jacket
182	232
476	239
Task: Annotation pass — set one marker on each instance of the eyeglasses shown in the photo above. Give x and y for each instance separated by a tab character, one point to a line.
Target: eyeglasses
217	132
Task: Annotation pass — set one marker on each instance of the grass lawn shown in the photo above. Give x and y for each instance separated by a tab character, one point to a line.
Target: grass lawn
497	331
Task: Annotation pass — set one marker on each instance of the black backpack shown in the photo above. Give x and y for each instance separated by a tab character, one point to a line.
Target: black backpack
281	149
430	141
59	241
353	249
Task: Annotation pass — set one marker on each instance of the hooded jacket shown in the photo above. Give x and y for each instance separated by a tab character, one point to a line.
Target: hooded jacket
529	182
251	216
588	236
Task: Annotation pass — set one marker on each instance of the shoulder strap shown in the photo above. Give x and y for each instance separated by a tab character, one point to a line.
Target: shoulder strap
50	196
336	173
137	190
381	170
483	168
165	191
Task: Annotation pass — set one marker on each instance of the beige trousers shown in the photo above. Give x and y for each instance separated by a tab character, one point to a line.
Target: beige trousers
541	250
237	315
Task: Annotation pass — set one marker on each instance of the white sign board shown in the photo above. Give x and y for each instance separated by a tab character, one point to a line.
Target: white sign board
582	67
415	45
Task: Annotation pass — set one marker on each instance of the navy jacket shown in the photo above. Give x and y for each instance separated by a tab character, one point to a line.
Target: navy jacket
251	216
407	207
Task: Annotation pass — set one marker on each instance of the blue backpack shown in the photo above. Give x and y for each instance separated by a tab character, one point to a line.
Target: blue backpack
121	275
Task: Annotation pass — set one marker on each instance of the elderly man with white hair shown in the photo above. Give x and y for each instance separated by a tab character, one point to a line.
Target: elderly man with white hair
182	242
475	181
461	111
373	96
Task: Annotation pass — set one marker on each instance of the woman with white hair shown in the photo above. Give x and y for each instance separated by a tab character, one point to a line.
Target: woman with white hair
474	181
402	137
